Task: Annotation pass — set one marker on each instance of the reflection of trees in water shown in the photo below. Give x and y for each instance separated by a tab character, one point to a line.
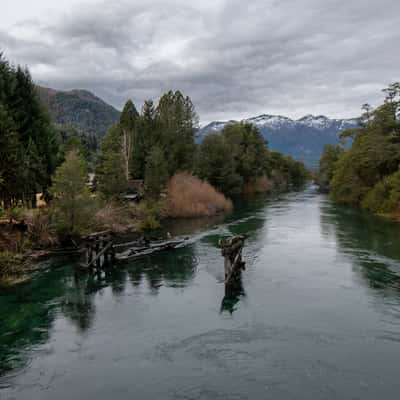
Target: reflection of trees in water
173	268
190	226
372	243
27	313
78	301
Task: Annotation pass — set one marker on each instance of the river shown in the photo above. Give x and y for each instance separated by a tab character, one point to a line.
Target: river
318	317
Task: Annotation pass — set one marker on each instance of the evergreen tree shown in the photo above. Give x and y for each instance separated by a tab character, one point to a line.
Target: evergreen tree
110	169
151	131
10	160
177	122
72	203
216	164
131	141
33	133
330	156
156	172
248	148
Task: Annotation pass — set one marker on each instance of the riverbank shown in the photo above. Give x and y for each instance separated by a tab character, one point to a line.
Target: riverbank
186	197
23	243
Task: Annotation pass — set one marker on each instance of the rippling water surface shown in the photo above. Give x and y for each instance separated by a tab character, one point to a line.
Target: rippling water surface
318	316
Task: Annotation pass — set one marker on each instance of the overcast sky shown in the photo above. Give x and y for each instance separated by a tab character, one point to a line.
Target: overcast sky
234	58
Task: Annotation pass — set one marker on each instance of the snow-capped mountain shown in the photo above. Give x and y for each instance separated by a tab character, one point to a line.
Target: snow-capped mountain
303	138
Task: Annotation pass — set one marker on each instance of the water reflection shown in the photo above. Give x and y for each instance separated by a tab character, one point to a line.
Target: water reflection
372	243
27	315
28	311
233	294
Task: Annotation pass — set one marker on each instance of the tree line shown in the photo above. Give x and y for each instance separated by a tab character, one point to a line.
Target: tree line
158	142
151	145
28	146
367	174
31	147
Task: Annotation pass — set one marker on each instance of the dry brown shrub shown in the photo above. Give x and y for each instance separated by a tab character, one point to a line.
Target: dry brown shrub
190	197
40	229
119	218
260	185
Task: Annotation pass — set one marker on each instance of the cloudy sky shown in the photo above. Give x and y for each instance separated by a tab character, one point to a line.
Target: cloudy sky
234	58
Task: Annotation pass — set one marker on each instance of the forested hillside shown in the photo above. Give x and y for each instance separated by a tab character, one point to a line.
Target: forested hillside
79	109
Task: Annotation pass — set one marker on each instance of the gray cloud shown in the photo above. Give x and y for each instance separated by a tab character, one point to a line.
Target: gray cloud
234	59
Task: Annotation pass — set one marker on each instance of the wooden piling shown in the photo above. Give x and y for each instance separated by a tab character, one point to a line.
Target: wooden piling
100	252
231	249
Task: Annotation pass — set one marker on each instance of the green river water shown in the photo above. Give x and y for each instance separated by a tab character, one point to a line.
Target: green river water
318	317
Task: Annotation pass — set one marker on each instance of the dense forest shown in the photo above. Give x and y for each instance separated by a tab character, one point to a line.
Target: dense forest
151	152
367	174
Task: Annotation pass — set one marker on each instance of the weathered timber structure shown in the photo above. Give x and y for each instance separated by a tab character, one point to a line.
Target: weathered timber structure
100	249
231	250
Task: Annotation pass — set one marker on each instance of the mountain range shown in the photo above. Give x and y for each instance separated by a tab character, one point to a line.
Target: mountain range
80	109
302	139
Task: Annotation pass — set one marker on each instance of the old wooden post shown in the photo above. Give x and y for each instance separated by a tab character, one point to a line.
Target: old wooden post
99	250
231	249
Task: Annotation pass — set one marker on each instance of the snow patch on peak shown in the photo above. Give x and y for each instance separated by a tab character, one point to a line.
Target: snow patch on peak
315	121
270	120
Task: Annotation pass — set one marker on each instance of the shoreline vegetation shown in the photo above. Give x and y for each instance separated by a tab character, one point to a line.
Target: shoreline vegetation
147	168
366	174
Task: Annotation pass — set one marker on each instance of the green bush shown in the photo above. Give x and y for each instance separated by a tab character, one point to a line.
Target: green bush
384	197
151	214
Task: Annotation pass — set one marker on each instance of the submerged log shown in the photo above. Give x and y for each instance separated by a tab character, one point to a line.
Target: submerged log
231	250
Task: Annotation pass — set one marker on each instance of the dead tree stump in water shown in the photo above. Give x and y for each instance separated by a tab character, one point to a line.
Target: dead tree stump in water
231	250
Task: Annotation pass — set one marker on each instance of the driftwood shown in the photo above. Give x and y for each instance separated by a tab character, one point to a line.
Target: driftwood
231	250
143	248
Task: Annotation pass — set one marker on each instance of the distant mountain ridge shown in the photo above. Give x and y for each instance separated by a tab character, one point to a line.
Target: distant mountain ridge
80	109
302	139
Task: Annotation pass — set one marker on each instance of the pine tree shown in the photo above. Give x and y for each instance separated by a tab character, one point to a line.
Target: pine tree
72	203
10	165
177	121
156	172
110	170
34	133
215	163
130	141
